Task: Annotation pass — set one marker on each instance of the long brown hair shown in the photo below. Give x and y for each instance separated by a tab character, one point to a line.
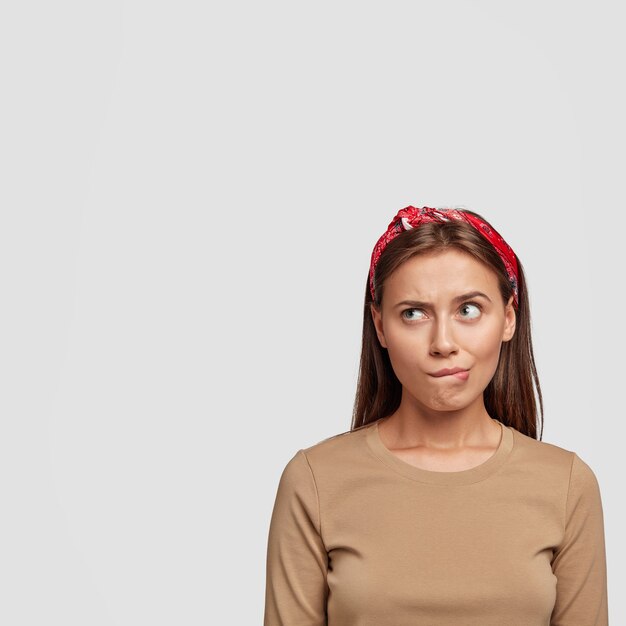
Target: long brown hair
509	396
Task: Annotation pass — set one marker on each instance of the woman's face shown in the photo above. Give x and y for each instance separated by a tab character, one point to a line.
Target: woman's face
429	322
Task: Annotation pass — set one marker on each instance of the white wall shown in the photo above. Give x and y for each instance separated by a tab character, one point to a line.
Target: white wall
190	195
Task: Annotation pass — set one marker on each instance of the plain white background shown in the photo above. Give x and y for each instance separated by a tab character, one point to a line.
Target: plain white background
190	195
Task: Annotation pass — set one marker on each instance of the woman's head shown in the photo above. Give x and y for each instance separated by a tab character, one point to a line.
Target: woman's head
443	310
421	319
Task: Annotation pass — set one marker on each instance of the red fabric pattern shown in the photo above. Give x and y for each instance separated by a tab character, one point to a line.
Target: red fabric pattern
412	217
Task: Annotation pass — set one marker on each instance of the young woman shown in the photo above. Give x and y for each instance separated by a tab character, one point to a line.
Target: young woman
440	506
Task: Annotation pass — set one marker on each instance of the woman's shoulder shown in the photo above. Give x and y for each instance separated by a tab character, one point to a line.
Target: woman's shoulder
339	442
338	453
544	455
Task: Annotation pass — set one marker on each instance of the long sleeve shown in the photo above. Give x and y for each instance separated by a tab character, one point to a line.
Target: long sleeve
296	587
579	563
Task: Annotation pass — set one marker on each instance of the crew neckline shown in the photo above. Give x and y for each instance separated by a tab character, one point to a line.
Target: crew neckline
463	477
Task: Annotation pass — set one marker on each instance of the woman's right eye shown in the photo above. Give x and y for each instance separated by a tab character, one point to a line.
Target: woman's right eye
409	310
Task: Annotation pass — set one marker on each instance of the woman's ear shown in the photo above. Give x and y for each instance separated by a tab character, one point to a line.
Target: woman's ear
378	324
510	320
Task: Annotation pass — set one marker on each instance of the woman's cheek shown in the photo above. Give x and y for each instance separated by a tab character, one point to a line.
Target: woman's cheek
486	353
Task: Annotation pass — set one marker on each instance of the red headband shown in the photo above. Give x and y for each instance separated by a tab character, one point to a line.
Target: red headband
410	217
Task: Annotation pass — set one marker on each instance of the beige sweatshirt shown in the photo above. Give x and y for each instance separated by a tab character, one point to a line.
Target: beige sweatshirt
359	537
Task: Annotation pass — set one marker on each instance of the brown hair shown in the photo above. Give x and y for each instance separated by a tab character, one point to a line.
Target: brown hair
509	396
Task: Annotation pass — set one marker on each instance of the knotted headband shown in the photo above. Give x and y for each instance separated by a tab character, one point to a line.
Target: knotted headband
411	217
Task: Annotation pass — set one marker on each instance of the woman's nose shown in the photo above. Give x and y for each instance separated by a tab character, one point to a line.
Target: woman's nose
443	340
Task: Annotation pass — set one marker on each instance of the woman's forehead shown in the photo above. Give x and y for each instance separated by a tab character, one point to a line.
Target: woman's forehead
449	272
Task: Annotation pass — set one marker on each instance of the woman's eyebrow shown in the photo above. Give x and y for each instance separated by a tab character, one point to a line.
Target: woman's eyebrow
465	296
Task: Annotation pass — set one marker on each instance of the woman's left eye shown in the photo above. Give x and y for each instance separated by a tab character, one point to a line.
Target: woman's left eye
470	305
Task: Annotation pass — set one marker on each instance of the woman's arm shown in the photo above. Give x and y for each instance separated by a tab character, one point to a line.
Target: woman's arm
295	588
579	563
